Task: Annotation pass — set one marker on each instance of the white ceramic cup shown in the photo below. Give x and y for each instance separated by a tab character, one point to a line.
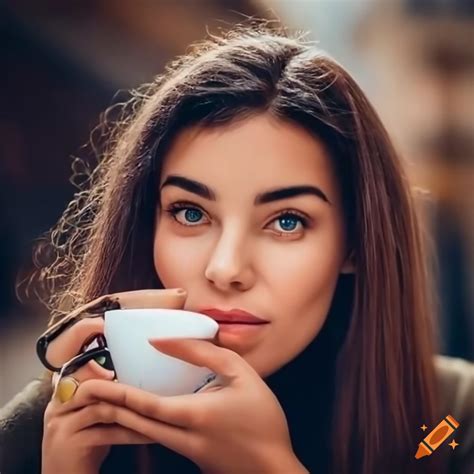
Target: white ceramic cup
139	364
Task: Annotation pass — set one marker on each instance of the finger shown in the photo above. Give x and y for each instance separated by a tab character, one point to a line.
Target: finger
92	370
180	410
65	387
173	437
113	435
172	298
69	343
204	353
92	309
88	365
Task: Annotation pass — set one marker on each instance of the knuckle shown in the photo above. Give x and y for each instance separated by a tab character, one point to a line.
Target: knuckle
231	360
126	397
147	409
79	327
49	413
51	426
64	345
86	385
231	355
85	390
198	418
104	413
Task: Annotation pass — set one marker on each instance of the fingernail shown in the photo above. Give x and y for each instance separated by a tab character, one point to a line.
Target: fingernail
181	291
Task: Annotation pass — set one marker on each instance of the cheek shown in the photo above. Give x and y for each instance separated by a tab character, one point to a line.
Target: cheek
302	285
302	280
304	294
172	258
303	276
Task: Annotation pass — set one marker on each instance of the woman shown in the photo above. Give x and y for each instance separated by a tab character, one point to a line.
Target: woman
254	174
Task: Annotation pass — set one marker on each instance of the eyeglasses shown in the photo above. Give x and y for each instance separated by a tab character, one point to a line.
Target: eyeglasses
100	354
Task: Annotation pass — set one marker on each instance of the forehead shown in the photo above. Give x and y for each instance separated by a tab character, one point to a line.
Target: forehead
256	153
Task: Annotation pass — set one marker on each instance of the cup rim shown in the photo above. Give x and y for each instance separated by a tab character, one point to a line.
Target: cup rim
144	313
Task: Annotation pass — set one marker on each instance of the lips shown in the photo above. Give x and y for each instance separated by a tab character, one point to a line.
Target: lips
233	316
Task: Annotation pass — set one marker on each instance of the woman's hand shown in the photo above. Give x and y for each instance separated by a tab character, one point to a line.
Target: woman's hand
77	440
238	426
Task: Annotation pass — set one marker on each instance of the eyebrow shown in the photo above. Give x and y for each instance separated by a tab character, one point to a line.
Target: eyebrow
263	198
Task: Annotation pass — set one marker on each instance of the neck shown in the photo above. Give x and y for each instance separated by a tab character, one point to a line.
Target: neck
305	388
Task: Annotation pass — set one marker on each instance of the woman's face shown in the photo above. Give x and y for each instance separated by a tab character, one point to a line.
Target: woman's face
278	259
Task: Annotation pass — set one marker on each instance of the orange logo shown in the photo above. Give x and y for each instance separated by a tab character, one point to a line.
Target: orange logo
437	436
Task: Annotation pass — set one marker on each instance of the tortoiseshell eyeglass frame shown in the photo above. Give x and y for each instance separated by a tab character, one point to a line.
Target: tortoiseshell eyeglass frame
95	310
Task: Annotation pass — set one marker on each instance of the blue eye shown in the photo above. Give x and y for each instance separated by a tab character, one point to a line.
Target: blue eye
191	214
288	220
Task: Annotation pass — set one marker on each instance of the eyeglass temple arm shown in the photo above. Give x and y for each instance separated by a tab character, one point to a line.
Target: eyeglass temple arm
96	310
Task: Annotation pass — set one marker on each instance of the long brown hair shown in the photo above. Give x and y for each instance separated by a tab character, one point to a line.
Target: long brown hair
103	242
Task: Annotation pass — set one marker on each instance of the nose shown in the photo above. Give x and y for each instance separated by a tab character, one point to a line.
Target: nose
229	265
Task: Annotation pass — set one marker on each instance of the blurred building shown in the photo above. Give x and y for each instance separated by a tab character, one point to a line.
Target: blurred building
422	56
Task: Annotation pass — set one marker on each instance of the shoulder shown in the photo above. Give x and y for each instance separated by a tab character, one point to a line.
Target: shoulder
21	428
455	379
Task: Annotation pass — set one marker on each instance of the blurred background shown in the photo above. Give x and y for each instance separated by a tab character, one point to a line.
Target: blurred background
64	63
